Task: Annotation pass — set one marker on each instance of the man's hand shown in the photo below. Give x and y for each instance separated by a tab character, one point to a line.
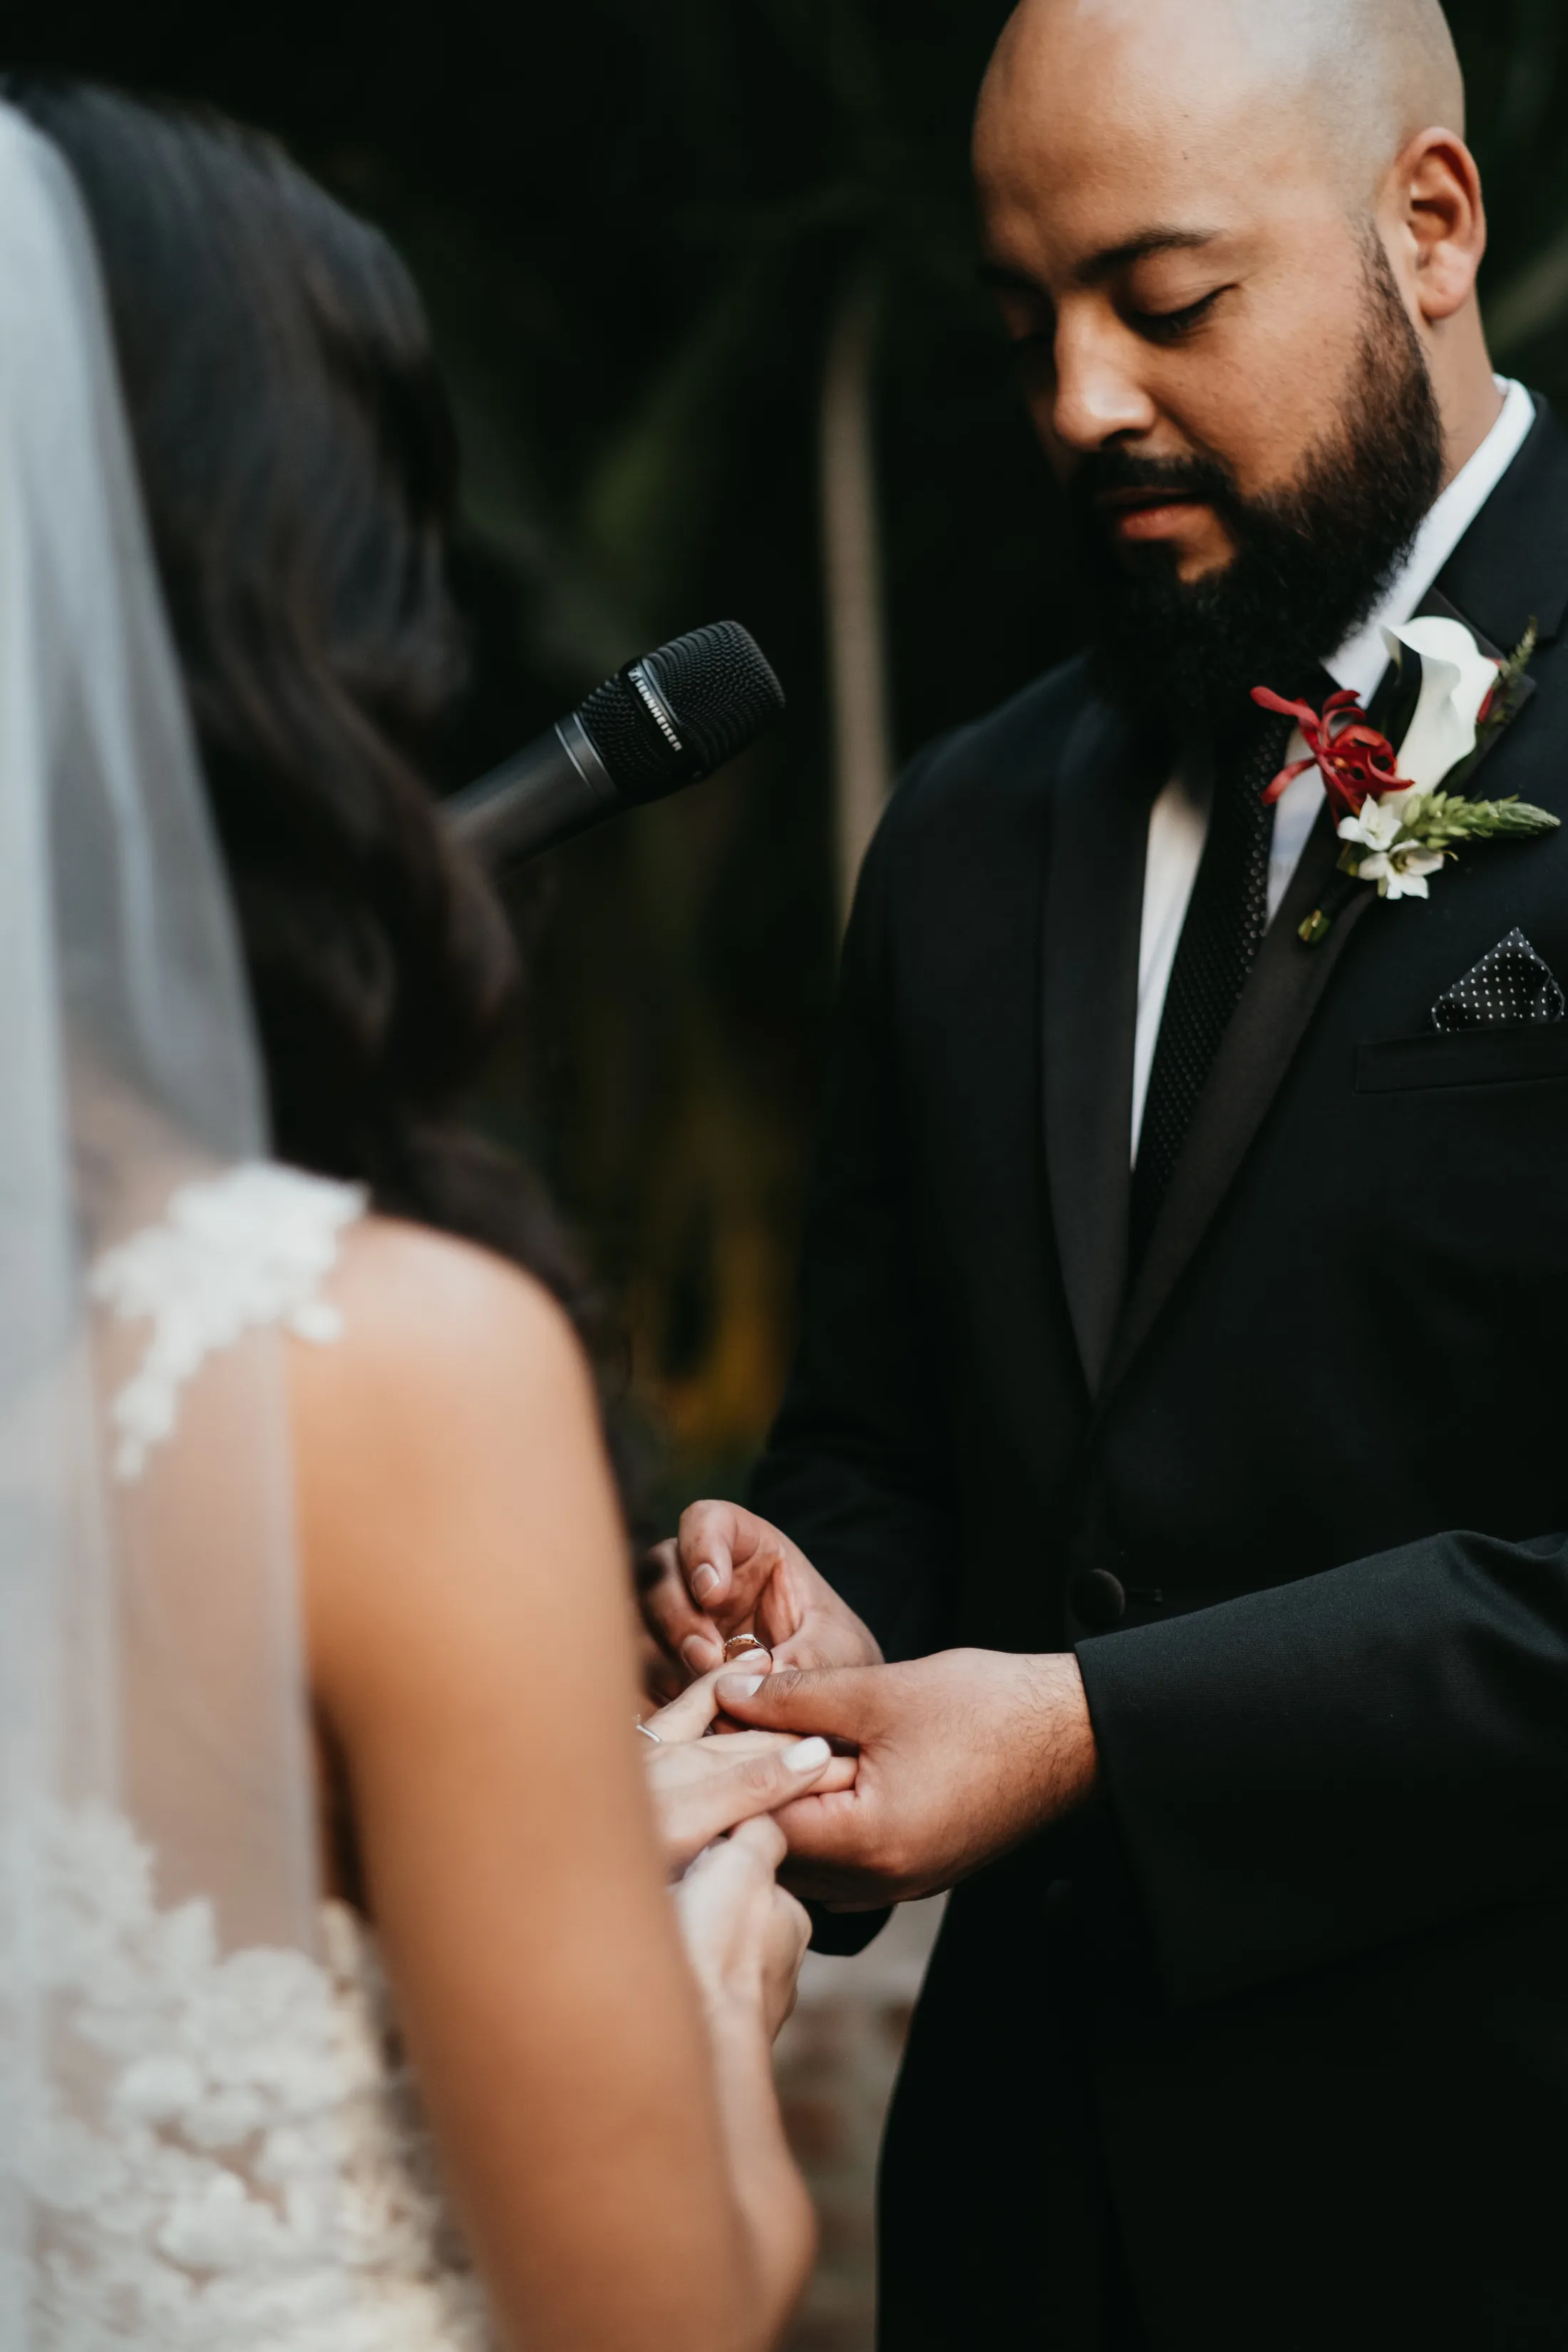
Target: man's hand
960	1758
730	1572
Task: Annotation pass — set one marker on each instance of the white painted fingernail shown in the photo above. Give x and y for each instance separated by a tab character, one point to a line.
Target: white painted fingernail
809	1757
740	1686
697	1653
703	1580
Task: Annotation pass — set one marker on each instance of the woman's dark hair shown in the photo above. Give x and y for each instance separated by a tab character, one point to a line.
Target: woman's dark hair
297	458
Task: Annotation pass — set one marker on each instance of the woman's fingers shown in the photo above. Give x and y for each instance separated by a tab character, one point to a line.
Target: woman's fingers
763	1841
688	1717
734	1795
747	1936
697	1710
789	1934
701	1789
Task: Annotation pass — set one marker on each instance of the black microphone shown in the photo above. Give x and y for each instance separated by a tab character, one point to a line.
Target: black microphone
661	723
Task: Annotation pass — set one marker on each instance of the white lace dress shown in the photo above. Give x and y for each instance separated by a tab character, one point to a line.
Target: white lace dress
262	2180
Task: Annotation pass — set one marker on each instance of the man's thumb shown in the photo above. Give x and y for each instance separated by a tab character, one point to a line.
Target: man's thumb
792	1699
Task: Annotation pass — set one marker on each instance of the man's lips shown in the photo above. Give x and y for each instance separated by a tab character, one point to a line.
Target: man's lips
1147	514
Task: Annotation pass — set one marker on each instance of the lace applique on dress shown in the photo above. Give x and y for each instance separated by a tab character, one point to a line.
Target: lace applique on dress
232	1253
258	2177
233	2157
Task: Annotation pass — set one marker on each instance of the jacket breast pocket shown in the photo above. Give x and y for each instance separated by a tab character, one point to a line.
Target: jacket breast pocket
1465	1057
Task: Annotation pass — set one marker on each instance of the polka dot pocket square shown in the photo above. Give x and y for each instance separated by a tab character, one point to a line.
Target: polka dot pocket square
1509	988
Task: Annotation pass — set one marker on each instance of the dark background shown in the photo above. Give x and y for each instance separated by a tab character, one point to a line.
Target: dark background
635	221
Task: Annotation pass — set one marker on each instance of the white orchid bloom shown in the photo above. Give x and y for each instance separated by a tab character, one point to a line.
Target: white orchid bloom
1455	679
1401	873
1378	825
1399	869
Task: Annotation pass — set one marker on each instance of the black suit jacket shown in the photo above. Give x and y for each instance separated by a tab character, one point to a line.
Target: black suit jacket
1288	2009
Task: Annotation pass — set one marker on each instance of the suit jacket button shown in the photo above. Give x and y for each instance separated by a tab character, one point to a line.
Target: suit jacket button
1098	1599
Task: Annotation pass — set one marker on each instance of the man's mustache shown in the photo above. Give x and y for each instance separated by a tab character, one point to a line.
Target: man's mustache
1107	472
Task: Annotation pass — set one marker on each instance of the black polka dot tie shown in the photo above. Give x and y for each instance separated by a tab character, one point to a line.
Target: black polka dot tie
1227	918
1510	987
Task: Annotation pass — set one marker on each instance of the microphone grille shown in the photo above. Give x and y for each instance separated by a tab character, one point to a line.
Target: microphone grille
675	715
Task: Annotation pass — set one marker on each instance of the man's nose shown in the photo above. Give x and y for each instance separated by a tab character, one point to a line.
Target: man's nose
1099	395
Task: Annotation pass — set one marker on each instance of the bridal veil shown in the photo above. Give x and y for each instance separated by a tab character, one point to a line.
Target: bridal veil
159	2010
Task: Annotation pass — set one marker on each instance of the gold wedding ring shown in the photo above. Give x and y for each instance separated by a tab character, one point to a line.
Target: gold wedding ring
740	1645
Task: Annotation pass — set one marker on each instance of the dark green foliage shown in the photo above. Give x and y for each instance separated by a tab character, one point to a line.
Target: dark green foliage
631	218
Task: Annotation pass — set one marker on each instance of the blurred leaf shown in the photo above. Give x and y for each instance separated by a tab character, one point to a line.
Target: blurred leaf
646	506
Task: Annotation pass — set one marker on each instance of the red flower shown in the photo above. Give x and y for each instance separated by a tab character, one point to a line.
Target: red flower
1356	762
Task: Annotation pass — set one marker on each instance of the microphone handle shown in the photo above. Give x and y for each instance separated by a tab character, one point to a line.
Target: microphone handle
558	787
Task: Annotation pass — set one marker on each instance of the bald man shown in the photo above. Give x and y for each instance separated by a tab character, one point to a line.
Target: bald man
1184	1297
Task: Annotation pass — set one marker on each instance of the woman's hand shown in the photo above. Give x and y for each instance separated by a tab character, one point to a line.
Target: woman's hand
745	1936
702	1788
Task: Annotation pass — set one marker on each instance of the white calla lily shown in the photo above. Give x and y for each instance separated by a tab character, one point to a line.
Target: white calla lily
1400	839
1455	679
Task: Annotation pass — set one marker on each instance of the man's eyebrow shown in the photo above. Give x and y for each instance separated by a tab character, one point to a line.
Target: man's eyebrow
1104	264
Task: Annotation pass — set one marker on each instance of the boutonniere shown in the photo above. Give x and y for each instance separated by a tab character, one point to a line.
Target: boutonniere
1399	823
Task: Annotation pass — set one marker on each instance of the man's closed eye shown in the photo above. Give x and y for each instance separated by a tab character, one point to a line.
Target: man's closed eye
1172	326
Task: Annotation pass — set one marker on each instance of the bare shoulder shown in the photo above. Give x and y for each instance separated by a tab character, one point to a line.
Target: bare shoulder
417	1302
438	1339
447	1443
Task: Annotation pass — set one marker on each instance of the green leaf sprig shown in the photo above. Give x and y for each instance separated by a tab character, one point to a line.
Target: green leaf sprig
1438	820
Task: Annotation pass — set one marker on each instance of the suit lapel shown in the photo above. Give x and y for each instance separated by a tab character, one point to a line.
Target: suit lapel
1512	566
1281	994
1510	569
1093	933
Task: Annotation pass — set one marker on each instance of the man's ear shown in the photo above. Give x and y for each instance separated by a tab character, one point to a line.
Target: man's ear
1438	217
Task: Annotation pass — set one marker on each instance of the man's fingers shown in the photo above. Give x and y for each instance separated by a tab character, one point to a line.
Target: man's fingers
810	1650
825	1824
730	1561
661	1679
828	1860
679	1627
706	1545
831	1700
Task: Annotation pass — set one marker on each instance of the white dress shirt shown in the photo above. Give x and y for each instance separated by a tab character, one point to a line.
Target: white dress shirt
1178	822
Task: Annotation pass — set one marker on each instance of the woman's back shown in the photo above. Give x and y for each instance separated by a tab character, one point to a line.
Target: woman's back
467	1632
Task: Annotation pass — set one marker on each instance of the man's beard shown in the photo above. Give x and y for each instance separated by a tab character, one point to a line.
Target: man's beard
1311	561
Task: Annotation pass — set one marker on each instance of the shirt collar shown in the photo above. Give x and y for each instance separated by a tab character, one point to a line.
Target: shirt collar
1360	662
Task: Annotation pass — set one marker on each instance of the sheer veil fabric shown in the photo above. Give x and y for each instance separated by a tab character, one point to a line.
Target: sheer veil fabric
162	2030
